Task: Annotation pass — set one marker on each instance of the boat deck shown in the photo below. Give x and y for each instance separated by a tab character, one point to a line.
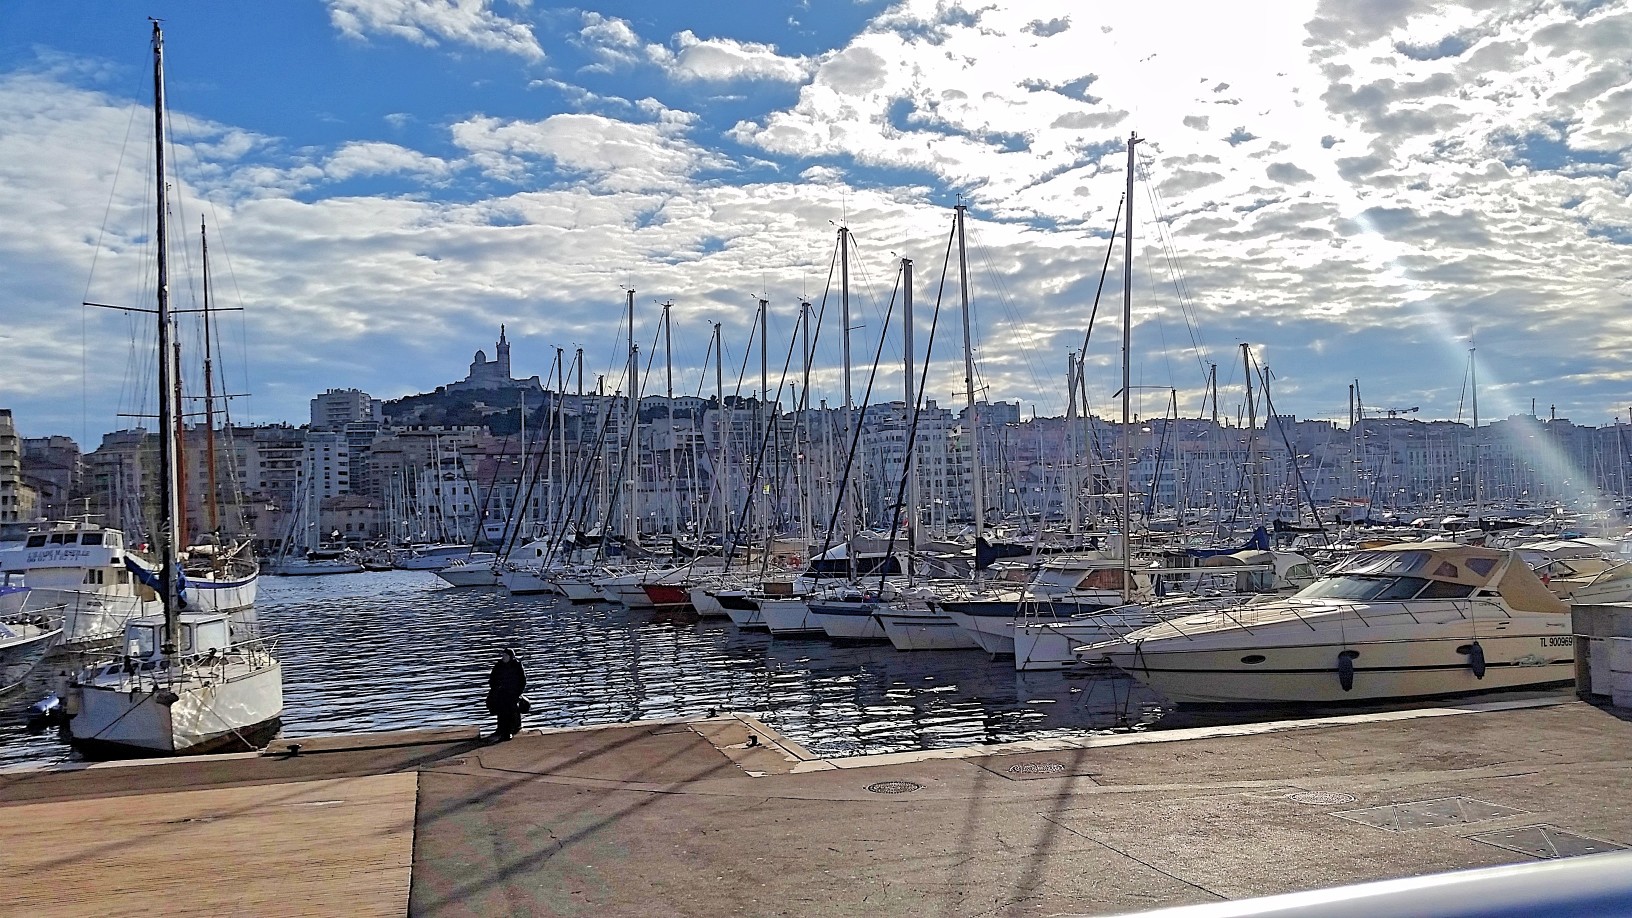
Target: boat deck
723	816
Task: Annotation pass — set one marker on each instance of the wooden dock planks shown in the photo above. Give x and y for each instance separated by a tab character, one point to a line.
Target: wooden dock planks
341	846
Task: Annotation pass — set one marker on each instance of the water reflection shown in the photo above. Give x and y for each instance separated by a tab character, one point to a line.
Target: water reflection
383	651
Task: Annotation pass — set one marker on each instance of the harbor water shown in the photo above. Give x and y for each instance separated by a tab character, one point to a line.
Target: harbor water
397	650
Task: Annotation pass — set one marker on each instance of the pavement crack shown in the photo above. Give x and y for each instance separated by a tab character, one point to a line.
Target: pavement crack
1138	860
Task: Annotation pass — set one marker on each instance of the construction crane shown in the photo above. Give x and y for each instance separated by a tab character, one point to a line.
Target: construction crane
1395	412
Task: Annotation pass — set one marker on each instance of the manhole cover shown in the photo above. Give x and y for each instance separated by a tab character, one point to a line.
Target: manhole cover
894	787
1321	798
1545	842
1036	768
1429	814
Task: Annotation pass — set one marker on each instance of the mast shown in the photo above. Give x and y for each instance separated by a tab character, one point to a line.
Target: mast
1253	497
976	473
631	519
211	504
1478	457
169	373
844	348
802	430
722	432
668	370
912	405
1127	350
762	419
1069	489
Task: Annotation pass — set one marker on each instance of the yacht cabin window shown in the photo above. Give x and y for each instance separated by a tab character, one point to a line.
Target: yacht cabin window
141	640
207	636
36	541
91	538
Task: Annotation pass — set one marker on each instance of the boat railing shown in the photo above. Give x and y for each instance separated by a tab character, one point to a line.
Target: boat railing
156	671
1247	616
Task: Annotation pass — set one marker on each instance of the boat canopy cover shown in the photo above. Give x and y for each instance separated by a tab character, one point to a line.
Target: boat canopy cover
1258	542
1451	562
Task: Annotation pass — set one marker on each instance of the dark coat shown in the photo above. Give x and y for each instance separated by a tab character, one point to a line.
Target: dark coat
505	684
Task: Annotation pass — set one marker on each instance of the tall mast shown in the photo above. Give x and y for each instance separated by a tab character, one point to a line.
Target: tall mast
1478	457
844	348
912	403
1127	353
1254	498
169	373
210	498
762	418
632	484
802	431
722	432
1069	489
668	370
976	472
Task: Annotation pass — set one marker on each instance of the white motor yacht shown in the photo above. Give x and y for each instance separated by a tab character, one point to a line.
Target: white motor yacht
1050	640
87	571
1410	620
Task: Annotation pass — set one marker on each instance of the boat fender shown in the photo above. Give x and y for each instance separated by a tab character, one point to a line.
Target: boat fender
167	698
1476	660
1345	671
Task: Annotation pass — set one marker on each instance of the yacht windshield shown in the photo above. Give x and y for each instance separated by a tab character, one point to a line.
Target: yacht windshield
1364	588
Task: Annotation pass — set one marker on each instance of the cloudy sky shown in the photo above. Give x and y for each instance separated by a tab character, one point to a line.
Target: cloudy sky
1360	190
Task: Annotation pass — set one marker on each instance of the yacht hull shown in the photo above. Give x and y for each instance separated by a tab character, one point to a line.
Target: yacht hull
1382	671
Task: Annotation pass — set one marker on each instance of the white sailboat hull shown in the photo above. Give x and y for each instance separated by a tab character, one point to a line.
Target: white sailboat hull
788	616
993	634
705	603
228	594
925	629
469	575
235	705
521	582
849	621
578	590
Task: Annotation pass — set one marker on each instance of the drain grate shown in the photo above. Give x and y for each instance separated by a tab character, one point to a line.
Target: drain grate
1321	798
894	787
1545	841
1428	814
1036	768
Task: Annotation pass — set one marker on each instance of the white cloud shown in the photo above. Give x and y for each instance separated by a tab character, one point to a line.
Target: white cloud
374	158
1397	176
619	154
615	45
723	60
432	22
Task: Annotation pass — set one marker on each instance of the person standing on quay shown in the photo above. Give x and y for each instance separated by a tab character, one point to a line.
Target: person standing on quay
504	687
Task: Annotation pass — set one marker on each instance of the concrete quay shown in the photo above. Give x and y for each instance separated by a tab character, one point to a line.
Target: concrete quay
722	816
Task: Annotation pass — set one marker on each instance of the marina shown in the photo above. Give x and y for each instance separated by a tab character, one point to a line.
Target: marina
399	650
766	562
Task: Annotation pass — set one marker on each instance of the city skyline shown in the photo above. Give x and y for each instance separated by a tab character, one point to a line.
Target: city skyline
1358	191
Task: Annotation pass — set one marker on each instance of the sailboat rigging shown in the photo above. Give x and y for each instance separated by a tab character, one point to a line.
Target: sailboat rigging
181	683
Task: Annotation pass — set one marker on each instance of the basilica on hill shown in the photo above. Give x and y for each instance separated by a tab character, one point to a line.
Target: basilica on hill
495	373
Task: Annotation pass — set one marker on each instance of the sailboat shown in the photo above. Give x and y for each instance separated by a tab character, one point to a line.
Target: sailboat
222	574
181	683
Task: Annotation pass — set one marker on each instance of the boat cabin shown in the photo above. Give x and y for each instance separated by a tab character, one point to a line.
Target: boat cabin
199	632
